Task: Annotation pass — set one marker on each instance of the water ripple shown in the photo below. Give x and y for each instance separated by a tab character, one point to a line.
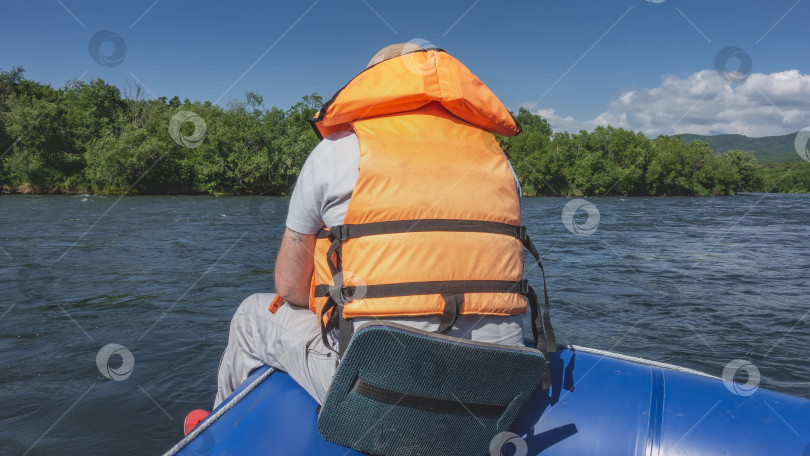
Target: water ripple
690	281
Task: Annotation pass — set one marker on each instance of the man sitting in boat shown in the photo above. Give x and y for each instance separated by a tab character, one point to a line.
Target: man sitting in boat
408	140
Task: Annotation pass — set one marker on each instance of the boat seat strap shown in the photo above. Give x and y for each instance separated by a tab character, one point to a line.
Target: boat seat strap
432	404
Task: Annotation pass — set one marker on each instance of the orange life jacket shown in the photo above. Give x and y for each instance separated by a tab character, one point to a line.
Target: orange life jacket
433	226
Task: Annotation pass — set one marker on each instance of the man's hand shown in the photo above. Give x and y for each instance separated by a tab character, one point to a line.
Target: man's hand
294	266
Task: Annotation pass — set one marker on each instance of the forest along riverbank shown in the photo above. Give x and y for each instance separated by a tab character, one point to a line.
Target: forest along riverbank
92	139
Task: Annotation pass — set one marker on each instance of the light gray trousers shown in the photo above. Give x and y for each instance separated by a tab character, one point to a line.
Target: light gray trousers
290	340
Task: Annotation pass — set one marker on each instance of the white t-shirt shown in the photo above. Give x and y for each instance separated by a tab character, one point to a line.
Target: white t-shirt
321	198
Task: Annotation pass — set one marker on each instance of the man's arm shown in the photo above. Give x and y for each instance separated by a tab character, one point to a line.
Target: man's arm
294	266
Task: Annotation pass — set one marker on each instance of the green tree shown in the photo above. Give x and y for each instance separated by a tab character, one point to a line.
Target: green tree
138	161
295	141
528	153
36	157
610	160
680	169
750	172
787	177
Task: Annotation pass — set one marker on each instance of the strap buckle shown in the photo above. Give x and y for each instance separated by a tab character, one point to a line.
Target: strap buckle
339	232
524	286
342	293
522	233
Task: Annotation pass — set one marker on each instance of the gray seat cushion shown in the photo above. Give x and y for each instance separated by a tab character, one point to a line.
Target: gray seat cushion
402	391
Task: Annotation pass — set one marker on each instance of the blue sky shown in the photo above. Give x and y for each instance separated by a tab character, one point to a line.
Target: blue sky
644	65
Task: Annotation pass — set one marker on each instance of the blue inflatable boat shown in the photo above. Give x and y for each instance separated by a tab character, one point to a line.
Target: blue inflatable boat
600	403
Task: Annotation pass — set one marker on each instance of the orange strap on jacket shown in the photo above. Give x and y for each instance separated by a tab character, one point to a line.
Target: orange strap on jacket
277	302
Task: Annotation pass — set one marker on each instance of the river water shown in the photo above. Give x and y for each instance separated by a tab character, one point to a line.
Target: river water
697	282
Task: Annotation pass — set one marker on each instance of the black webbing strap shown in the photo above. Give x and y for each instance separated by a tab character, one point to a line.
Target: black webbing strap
332	323
336	321
540	341
433	404
452	307
323	233
335	299
335	249
345	332
346	232
537	322
425	288
550	339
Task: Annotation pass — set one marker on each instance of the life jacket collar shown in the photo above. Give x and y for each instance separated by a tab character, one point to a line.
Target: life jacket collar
409	82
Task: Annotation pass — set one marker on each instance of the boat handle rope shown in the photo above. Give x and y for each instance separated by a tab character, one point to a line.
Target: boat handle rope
211	419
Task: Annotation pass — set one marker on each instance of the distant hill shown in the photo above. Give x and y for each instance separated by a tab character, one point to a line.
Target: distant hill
766	148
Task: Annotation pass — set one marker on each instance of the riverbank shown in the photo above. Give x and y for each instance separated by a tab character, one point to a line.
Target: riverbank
89	139
28	190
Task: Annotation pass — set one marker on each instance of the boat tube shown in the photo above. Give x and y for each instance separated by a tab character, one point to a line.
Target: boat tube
599	403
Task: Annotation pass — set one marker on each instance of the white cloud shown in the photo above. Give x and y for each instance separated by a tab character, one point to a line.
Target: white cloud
564	123
705	103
